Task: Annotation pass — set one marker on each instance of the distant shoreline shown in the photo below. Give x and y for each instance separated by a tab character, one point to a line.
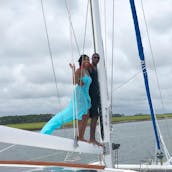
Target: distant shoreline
32	126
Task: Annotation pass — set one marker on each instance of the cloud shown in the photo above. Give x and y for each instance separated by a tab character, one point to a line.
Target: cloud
27	83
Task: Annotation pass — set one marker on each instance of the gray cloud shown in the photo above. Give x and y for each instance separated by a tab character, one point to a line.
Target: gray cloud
26	76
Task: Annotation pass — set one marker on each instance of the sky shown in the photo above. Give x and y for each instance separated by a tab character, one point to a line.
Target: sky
27	83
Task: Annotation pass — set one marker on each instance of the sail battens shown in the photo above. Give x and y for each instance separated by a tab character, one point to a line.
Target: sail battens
28	138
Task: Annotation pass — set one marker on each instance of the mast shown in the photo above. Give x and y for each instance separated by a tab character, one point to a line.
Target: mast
145	75
105	102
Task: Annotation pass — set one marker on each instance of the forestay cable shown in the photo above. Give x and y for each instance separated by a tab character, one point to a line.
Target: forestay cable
72	33
125	83
152	55
50	51
85	28
162	102
93	31
70	20
75	124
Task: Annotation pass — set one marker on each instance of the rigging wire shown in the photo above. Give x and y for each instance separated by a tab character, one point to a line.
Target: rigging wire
152	55
113	90
112	55
125	83
71	24
158	83
93	31
50	51
105	33
85	28
75	123
72	31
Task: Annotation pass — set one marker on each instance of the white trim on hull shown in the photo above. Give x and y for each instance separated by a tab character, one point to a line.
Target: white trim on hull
50	164
44	165
28	138
122	167
155	167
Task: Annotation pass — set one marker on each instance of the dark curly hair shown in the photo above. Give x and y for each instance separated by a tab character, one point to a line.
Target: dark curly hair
81	58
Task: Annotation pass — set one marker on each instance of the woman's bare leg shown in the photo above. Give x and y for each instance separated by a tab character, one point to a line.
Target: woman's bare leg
80	128
82	124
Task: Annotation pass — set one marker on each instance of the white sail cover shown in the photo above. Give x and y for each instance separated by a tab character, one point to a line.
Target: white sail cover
28	138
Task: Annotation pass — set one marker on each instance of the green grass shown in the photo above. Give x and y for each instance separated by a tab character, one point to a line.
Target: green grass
28	126
130	118
39	125
35	125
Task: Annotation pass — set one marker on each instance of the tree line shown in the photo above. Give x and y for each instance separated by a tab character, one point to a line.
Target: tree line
18	119
24	119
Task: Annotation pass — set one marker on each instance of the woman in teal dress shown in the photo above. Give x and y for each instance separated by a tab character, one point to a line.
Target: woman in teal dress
79	105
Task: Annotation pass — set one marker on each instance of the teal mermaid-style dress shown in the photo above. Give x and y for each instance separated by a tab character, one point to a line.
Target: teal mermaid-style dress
80	104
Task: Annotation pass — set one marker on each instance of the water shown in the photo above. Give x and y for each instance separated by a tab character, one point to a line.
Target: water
136	140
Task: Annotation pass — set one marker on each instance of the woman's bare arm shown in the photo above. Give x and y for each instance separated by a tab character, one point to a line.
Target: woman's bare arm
78	77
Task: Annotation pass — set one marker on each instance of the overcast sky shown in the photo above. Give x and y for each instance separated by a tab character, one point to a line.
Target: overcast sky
26	76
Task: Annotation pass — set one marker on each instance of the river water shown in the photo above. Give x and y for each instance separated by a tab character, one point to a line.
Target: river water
136	139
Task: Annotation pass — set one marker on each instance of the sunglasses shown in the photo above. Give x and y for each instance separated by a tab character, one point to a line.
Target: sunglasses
96	57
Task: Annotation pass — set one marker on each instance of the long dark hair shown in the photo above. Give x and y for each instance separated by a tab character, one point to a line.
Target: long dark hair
81	58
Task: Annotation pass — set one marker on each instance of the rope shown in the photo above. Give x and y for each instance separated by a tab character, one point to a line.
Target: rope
50	51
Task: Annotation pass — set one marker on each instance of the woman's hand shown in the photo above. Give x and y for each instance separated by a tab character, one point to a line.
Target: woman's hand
72	66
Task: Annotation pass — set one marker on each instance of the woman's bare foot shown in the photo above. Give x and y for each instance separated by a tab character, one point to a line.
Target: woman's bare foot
95	142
